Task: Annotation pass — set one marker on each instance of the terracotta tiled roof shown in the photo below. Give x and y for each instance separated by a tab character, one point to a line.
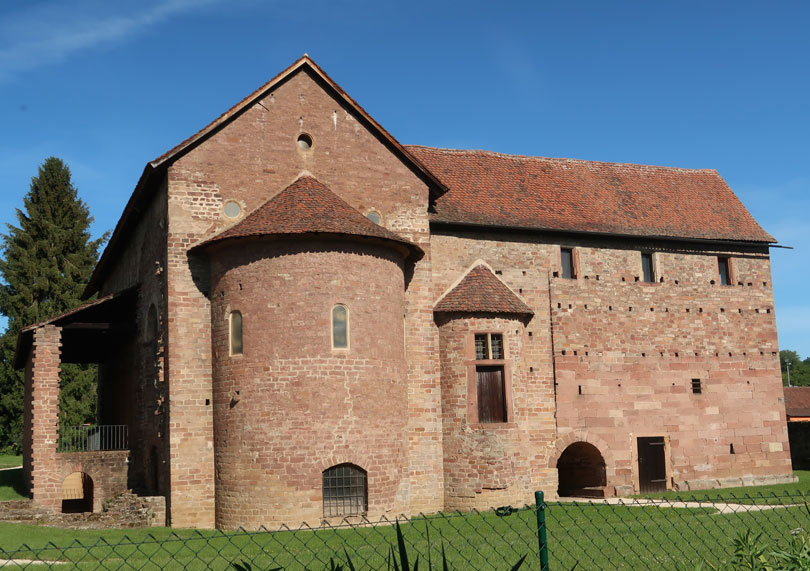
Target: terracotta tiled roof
563	194
482	292
308	207
797	401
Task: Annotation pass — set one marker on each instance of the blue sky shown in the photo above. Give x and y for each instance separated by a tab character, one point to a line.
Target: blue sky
108	86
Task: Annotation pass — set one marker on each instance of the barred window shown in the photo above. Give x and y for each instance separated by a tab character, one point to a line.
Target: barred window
488	346
345	491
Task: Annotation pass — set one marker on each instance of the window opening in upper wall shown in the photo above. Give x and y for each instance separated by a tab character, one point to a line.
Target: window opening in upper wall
724	269
236	333
374	216
697	386
304	142
340	327
488	346
647	267
567	263
490	379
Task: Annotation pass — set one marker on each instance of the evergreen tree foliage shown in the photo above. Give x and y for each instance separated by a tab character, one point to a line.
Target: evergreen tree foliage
46	262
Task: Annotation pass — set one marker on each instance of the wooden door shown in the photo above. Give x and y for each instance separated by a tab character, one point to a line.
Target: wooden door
652	467
491	395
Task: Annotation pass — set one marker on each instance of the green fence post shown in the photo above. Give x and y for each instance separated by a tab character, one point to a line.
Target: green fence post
541	529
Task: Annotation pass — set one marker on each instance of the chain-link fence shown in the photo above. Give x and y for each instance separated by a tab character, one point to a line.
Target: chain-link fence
619	534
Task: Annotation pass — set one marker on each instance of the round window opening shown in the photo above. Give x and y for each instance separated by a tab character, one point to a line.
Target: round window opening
232	209
374	217
304	142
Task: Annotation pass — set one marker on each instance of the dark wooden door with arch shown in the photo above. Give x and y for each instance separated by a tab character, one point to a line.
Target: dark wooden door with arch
652	465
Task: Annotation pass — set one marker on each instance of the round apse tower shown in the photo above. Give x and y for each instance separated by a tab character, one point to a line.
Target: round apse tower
309	374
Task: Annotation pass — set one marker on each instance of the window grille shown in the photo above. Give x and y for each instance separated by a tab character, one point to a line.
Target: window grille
345	491
697	387
488	346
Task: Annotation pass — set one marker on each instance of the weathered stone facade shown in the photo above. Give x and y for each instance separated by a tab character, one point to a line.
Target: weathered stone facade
246	439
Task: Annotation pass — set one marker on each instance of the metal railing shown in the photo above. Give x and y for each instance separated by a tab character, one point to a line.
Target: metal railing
87	438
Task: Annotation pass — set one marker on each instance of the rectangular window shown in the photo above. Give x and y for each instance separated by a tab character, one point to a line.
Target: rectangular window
567	262
488	346
697	387
647	267
724	269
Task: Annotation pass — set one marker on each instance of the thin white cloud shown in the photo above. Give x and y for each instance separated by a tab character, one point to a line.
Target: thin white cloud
51	33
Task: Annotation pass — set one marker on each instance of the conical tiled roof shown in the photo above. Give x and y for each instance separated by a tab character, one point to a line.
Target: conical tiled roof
308	207
482	292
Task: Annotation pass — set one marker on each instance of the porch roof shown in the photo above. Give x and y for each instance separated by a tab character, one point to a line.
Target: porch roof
89	331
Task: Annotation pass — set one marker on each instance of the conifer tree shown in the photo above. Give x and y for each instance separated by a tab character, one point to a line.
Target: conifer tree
46	261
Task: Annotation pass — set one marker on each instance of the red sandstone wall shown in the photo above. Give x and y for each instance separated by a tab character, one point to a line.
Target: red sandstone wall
523	266
250	160
291	406
486	464
633	348
615	355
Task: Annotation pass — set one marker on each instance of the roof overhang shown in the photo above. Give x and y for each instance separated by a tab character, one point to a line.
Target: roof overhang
89	332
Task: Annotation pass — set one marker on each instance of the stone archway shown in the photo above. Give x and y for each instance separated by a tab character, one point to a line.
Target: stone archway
77	493
581	471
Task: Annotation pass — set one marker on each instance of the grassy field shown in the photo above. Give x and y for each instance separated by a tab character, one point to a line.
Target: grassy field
751	494
581	536
11	485
10	461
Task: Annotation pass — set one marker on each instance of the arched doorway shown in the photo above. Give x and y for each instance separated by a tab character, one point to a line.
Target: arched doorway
581	471
77	493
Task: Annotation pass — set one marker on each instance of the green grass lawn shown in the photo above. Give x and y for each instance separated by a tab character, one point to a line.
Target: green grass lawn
750	494
11	485
10	461
581	536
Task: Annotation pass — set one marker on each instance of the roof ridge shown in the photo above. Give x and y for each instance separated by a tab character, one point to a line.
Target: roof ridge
485	152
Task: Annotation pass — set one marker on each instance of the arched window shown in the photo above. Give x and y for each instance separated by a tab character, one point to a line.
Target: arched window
345	491
236	333
340	327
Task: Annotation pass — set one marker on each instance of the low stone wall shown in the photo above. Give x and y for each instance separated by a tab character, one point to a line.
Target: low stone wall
107	469
122	511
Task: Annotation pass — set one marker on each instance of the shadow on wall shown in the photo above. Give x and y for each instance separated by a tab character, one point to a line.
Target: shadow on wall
77	493
581	471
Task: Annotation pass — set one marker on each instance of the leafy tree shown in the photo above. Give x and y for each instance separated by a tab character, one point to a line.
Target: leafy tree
46	261
799	370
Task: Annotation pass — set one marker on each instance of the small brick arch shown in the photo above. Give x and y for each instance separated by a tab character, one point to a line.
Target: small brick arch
582	436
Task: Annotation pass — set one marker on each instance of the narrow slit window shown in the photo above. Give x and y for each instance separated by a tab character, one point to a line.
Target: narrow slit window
647	267
345	491
567	262
236	333
724	269
340	327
